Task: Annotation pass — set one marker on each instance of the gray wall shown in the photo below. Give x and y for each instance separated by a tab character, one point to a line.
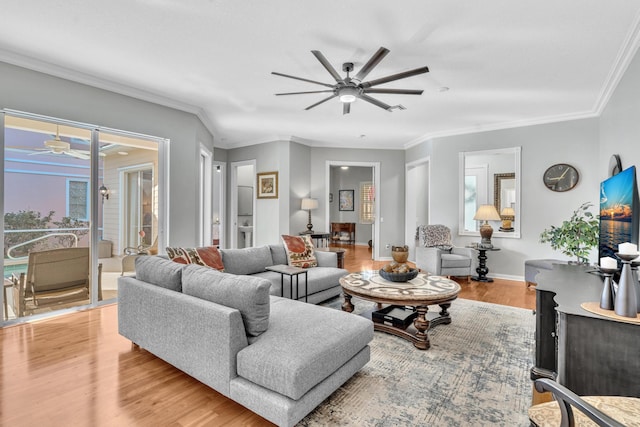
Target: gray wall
573	142
31	91
271	215
391	187
620	122
300	164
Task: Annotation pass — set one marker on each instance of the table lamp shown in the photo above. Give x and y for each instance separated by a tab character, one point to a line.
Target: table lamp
309	204
486	213
507	215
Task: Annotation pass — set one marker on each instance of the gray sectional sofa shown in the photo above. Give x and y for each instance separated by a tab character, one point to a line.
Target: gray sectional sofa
278	357
323	280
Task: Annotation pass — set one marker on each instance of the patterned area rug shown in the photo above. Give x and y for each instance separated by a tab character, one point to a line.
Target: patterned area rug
476	373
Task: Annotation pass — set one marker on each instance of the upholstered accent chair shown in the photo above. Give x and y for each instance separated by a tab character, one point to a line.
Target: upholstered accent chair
436	254
606	411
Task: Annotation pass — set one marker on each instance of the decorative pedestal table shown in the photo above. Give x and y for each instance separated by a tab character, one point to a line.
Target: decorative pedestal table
418	293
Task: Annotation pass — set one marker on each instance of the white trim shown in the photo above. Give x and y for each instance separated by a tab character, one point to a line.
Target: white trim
222	214
233	211
517	168
409	232
87	196
205	184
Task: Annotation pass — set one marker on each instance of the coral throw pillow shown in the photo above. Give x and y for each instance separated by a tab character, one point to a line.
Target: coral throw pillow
208	256
300	251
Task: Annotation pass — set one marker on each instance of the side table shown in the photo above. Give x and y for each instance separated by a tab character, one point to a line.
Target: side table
290	271
339	253
482	269
321	238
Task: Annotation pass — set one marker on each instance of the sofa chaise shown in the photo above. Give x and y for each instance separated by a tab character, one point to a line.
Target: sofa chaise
278	357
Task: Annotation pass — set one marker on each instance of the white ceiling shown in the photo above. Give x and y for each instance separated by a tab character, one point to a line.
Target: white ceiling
506	62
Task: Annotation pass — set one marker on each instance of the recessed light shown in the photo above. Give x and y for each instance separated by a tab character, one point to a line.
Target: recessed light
443	89
344	167
363	136
123	153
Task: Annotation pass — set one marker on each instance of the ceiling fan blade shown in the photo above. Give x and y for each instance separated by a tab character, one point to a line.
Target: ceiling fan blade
327	65
77	155
300	78
375	102
373	61
302	93
397	91
393	77
346	108
318	103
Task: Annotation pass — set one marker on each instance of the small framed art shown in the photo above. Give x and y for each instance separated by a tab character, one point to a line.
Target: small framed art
267	185
346	200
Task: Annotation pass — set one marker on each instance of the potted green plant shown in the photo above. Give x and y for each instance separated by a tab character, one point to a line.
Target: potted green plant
576	236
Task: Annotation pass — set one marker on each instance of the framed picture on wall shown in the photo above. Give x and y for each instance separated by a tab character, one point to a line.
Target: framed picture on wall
267	185
346	200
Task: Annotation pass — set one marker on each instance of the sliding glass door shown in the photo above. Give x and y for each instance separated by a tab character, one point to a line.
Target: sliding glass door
79	204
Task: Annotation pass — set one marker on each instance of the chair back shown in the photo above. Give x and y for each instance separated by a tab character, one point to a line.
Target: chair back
434	235
57	269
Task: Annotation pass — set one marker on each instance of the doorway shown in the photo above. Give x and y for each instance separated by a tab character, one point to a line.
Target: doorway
360	182
417	212
243	231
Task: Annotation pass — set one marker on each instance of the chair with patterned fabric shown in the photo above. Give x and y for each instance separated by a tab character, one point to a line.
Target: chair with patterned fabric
604	411
436	254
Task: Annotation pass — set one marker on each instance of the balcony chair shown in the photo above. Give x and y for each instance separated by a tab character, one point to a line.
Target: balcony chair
604	411
131	253
436	254
54	278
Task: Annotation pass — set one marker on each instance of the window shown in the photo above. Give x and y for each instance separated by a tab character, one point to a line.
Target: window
367	197
78	200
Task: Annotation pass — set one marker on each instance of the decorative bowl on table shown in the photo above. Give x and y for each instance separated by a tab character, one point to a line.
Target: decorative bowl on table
399	277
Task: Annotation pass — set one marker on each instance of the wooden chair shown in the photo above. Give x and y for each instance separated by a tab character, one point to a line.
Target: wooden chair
604	411
54	277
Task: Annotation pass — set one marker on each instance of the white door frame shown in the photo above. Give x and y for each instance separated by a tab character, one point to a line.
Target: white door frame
233	211
410	206
219	183
205	184
376	186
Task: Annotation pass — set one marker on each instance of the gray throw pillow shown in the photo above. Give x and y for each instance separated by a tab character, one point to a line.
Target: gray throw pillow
159	271
249	295
246	260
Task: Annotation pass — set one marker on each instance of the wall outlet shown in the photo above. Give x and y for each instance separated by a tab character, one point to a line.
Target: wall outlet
388	246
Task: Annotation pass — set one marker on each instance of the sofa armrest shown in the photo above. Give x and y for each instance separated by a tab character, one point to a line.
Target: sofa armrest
199	337
429	259
326	259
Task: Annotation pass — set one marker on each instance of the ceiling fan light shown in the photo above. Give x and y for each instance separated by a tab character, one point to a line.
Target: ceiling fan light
347	98
348	94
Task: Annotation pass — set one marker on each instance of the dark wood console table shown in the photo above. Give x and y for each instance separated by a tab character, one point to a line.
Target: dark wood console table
588	353
343	232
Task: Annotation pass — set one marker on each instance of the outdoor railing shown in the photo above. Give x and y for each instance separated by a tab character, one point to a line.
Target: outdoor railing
52	232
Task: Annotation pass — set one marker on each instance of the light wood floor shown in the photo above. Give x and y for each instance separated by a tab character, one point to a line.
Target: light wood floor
75	370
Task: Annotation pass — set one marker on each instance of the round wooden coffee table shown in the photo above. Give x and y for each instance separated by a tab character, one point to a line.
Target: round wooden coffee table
418	293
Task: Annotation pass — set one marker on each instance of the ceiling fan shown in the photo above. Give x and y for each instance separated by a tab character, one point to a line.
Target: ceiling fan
58	146
348	89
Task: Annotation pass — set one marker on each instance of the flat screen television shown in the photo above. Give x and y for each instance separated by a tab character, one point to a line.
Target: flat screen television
619	212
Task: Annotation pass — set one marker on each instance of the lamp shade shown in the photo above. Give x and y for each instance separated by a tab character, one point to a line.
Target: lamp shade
309	204
508	212
487	213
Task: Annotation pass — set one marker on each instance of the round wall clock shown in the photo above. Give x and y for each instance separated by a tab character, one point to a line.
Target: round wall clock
615	165
561	177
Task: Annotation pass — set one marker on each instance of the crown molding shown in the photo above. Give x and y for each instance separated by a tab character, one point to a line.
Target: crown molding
100	83
621	64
